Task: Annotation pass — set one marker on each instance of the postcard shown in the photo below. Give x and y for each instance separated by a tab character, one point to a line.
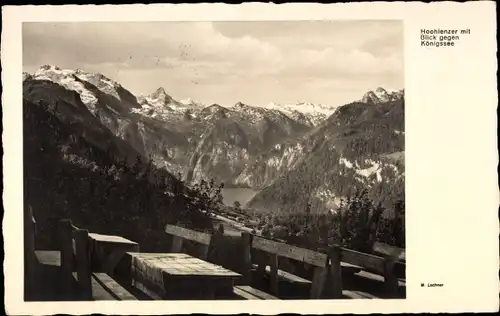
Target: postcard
253	158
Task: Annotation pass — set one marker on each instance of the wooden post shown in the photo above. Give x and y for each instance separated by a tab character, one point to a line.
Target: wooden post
318	282
246	240
390	278
83	262
274	282
211	252
176	244
66	249
29	252
203	251
176	241
336	271
261	259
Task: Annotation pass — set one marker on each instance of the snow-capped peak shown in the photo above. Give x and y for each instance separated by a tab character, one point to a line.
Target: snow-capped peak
191	102
240	105
255	113
309	113
52	69
53	73
381	95
87	85
161	96
162	106
161	101
67	79
302	107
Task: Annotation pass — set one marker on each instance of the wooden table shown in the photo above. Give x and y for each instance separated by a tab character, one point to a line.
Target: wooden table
108	250
175	276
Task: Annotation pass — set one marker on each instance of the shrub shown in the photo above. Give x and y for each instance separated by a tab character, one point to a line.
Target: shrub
357	224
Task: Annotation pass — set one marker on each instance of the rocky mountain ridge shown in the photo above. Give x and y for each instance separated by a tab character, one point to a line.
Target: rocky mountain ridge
178	135
297	149
381	95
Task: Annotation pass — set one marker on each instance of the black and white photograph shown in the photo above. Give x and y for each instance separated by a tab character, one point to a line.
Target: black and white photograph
213	160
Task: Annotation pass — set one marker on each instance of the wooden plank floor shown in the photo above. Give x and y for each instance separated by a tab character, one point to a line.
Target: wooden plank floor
116	290
99	293
256	292
244	295
358	295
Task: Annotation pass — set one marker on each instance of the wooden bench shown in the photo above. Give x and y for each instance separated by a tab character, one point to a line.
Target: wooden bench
376	268
347	269
328	267
75	254
270	251
103	286
205	243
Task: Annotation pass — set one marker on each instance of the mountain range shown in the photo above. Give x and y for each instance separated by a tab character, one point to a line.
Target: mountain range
294	154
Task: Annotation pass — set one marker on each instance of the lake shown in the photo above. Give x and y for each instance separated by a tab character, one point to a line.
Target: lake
242	195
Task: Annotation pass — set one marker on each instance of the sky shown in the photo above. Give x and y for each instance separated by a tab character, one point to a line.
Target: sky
326	62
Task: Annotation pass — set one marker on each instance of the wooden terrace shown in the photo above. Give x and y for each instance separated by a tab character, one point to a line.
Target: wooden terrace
89	266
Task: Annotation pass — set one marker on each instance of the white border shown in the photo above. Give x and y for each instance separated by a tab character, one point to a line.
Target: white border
452	195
